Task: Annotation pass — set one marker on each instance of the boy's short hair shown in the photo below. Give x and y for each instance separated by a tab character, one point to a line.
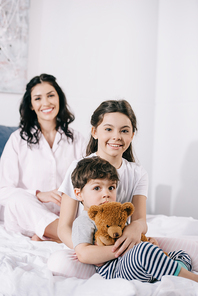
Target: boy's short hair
91	168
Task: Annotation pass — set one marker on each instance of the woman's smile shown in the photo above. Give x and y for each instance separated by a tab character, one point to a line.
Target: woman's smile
49	110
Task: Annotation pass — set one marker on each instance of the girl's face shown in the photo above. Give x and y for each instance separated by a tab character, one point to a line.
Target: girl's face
45	102
114	135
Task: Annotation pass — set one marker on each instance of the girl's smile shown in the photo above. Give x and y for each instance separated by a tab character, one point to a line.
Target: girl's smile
114	146
114	135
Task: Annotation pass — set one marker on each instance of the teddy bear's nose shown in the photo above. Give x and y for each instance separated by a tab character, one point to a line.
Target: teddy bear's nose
114	231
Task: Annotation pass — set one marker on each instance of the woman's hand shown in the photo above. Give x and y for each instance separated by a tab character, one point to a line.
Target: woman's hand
49	196
131	236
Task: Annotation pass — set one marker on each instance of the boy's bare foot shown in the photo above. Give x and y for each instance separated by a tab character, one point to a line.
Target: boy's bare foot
188	275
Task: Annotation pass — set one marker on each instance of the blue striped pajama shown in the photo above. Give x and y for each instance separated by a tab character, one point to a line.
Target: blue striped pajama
144	262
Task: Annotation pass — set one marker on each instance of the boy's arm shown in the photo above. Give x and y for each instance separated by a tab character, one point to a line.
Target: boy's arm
92	254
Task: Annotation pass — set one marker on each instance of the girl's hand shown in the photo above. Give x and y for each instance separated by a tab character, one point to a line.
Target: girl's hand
132	233
130	237
49	196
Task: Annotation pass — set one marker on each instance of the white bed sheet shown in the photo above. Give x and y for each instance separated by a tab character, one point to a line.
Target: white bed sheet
23	268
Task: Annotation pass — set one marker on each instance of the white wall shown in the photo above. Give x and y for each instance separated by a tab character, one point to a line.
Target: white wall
100	50
175	163
105	49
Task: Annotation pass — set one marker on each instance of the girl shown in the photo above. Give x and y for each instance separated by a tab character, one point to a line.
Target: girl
36	157
113	127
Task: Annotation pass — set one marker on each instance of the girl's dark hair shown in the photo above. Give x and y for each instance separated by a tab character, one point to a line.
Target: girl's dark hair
29	125
112	106
92	168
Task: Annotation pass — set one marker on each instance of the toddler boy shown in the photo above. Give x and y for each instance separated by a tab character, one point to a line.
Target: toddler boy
95	181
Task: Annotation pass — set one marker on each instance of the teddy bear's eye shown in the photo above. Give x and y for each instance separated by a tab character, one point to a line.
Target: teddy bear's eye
108	226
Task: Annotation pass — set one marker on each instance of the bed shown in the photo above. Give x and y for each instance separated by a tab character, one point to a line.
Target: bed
23	265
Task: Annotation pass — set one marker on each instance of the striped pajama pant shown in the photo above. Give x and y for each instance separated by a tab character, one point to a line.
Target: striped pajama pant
144	262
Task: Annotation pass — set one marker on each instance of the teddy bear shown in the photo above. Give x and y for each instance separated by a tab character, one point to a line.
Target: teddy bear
110	219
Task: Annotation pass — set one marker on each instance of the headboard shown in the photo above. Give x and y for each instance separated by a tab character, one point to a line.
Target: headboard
5	132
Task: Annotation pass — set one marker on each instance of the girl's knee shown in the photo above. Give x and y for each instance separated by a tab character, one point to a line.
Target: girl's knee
66	263
57	262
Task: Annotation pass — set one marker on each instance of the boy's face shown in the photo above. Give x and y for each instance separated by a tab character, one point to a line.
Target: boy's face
96	192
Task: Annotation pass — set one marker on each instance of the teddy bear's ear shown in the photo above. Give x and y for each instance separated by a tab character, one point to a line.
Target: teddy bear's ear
128	207
92	212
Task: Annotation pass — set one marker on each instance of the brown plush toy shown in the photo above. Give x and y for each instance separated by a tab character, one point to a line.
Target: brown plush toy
110	219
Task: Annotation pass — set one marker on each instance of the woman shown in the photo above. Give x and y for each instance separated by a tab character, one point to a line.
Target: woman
36	158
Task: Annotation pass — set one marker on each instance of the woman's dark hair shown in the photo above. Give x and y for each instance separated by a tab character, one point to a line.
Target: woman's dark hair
112	106
29	125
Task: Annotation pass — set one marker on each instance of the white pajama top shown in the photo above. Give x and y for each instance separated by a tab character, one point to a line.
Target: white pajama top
37	167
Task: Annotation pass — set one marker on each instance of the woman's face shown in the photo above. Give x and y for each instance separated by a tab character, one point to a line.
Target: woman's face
45	102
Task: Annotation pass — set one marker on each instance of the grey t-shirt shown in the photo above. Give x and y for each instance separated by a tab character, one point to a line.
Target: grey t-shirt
83	230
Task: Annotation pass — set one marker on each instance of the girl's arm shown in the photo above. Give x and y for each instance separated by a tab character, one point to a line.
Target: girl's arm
132	232
68	212
92	254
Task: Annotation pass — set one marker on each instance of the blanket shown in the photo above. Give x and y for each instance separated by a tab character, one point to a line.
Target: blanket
24	272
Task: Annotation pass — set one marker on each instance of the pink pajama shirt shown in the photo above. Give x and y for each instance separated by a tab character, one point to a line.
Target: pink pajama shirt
24	169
